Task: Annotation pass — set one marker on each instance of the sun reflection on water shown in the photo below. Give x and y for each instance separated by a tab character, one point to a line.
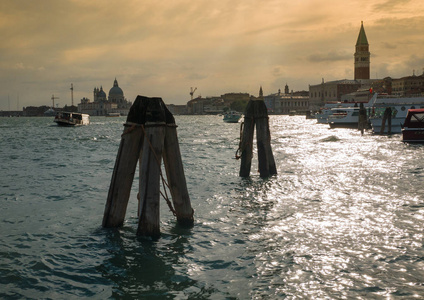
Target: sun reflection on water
332	218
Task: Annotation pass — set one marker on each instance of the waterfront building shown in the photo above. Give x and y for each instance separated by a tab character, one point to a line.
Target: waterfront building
102	105
229	98
331	91
408	86
215	105
200	106
287	103
382	86
17	113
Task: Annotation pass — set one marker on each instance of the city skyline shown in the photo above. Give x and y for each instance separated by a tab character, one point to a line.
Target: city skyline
164	49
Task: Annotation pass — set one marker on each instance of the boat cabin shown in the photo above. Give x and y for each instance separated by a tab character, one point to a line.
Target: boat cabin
414	118
413	128
71	119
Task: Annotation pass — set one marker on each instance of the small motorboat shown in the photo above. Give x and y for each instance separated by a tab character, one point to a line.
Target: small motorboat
232	117
413	128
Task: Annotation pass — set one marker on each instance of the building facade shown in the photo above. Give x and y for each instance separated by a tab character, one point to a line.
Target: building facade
331	91
215	105
287	103
408	86
382	86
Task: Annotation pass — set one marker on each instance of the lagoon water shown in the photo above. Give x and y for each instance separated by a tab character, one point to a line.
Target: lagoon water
343	219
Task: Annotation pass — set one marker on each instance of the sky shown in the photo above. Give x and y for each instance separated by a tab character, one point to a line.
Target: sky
164	48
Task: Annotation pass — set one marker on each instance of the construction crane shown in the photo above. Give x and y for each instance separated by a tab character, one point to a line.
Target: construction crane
192	92
53	97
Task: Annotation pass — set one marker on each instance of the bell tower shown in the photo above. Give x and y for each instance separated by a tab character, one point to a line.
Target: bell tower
362	56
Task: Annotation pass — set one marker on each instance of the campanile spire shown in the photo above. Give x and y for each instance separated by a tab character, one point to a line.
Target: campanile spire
362	55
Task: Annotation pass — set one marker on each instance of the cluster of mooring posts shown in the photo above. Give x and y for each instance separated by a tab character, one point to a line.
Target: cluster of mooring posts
150	134
256	114
386	117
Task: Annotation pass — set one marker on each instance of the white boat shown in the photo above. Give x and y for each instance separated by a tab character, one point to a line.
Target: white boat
113	114
71	119
324	113
50	112
232	117
327	110
375	108
399	108
347	117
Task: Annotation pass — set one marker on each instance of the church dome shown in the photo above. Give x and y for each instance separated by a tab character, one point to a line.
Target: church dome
116	90
101	93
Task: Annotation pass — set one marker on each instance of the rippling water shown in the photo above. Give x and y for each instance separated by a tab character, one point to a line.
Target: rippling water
343	219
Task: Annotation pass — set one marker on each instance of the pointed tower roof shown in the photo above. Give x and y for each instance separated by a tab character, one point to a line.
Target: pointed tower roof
362	37
261	94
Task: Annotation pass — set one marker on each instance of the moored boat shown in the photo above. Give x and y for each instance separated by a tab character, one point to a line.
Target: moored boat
413	128
347	117
322	115
71	119
232	117
399	109
325	112
328	109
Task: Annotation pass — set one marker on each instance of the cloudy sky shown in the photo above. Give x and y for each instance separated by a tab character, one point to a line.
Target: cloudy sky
162	48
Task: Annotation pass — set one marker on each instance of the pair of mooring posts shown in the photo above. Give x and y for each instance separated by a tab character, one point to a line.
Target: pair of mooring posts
256	114
150	134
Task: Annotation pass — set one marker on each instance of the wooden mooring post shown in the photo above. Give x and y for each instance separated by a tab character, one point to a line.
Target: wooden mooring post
362	119
256	114
386	117
149	136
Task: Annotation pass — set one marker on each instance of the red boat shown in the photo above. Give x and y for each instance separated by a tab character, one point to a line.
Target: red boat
413	128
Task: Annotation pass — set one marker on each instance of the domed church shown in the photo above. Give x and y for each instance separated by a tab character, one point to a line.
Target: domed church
116	95
102	105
